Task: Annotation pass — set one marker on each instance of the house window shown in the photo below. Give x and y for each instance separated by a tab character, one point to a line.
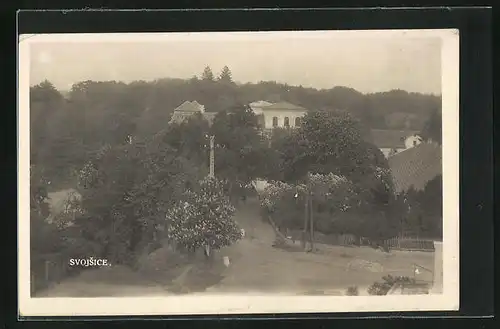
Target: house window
297	122
275	122
287	122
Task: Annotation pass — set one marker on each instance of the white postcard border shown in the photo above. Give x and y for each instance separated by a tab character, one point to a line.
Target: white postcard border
238	304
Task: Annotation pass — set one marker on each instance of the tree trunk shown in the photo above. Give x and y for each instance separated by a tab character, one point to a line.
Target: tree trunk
276	230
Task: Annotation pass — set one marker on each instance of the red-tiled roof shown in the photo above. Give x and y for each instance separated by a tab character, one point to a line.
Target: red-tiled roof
390	138
416	166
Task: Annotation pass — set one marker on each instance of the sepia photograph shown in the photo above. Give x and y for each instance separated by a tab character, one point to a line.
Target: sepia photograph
238	172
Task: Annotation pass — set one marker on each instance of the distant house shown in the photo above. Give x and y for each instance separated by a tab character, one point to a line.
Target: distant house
416	166
278	115
391	142
187	109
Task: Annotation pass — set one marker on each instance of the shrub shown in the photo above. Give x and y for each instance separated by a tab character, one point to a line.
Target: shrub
204	217
352	291
382	288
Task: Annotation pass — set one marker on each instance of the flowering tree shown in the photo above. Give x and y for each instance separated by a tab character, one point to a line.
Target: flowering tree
332	195
203	218
338	205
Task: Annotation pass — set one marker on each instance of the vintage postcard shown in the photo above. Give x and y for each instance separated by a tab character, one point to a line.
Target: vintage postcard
236	173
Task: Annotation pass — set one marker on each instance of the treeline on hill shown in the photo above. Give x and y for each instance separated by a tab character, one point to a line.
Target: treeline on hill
91	114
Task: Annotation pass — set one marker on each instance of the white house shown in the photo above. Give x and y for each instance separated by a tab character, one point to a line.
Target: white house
391	142
281	114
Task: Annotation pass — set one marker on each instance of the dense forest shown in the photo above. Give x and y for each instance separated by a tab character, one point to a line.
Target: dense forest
66	126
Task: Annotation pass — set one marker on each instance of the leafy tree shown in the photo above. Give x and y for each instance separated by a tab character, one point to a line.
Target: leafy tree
240	152
421	211
431	199
203	218
126	190
432	130
44	237
329	142
39	206
226	75
189	138
207	74
45	103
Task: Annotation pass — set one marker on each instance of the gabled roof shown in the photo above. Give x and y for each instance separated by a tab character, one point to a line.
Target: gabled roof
416	166
188	106
260	104
284	106
391	138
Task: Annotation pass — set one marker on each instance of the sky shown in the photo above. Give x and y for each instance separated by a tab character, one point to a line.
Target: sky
367	64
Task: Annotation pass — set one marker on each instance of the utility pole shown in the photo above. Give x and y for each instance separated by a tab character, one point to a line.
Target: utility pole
208	253
212	156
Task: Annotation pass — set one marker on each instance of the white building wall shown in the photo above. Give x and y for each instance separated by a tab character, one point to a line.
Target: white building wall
281	114
387	151
412	141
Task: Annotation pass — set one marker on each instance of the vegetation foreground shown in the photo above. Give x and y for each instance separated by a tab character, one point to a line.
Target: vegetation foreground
255	267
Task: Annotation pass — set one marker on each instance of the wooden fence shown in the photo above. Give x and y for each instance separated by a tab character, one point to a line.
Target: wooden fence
402	243
396	243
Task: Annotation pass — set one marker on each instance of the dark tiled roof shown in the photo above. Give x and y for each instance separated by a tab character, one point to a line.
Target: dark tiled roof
416	166
188	106
390	138
284	106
